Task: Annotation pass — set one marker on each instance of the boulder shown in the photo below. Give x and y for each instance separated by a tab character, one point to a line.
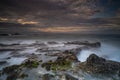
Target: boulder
48	77
94	59
13	72
61	63
70	77
11	69
30	63
96	64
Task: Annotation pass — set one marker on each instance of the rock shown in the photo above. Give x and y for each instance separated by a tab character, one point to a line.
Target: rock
8	49
96	64
15	76
94	59
69	55
3	62
0	73
12	77
5	34
119	73
13	72
4	45
37	43
11	69
72	51
8	58
52	42
30	63
96	44
71	58
48	77
70	77
61	63
47	65
32	57
22	75
16	33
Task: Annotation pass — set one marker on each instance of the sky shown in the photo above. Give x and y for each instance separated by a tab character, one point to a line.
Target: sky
60	16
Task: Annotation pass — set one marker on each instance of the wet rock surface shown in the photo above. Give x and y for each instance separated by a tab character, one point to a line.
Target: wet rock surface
52	42
96	44
13	72
60	64
96	64
70	77
3	62
48	77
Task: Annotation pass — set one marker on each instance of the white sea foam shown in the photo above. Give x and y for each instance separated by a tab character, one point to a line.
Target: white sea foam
106	51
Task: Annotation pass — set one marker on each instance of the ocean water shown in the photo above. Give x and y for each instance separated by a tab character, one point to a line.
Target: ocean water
110	44
107	51
110	49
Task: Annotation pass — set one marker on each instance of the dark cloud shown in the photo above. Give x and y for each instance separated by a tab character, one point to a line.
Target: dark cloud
96	15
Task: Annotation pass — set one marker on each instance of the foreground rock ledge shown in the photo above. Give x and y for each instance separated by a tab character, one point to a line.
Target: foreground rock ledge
96	64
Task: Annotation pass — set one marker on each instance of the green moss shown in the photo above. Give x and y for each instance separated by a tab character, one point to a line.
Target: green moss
61	65
34	64
31	64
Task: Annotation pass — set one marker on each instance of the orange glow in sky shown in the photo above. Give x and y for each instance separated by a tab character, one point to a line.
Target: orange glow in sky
21	21
59	29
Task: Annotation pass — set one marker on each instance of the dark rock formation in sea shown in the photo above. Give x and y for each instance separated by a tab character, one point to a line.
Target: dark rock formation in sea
61	63
52	42
96	64
96	44
3	62
5	45
9	34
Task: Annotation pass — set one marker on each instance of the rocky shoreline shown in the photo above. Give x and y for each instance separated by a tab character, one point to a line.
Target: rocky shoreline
59	63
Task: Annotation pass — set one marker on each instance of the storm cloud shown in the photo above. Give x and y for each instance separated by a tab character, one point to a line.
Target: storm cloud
72	16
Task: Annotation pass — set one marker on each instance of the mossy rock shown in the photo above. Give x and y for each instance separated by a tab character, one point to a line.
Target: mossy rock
48	77
13	72
98	65
22	75
11	69
59	64
15	76
17	68
31	64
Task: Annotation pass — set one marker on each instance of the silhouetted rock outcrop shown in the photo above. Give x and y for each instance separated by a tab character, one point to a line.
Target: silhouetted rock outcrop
96	64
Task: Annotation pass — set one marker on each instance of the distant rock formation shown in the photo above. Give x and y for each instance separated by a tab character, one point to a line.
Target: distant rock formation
96	44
